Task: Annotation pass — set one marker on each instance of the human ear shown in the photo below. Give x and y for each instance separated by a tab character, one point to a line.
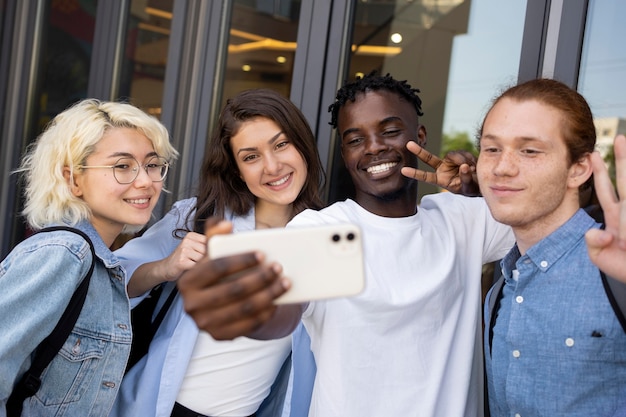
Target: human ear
421	135
71	181
580	171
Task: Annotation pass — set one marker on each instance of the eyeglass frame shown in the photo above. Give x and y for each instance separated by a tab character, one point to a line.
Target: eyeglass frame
166	164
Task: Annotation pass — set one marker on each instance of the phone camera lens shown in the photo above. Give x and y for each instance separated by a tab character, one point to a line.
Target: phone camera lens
336	238
351	236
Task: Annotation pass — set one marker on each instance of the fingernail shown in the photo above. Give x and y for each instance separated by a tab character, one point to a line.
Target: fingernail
286	284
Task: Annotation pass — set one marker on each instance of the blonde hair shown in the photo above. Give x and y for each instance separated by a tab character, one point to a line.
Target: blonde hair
67	141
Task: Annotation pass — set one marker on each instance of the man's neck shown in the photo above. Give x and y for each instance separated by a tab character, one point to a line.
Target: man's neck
529	235
392	206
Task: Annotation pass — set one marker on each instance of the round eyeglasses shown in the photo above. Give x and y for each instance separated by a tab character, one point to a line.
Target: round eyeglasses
126	170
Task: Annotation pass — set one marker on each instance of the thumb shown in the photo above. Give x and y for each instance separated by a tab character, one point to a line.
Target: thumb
216	226
597	240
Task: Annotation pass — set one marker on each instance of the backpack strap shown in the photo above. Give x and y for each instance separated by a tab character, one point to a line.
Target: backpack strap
144	328
616	293
50	346
494	305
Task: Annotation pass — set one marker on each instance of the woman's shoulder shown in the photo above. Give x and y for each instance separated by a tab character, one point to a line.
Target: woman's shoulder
57	252
53	240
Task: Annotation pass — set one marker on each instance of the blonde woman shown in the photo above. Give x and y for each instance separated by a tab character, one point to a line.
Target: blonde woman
99	168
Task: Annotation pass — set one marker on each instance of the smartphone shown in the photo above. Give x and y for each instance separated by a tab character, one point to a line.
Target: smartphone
321	262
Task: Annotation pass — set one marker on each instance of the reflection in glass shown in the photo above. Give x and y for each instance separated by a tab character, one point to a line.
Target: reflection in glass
602	78
457	52
262	46
145	57
484	61
66	56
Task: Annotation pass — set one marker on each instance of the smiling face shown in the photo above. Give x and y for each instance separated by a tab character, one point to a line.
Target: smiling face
112	204
524	171
268	162
374	131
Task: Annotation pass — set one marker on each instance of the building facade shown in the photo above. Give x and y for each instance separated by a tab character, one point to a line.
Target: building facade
181	59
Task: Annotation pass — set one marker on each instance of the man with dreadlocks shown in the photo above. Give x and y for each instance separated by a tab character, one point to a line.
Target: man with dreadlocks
410	343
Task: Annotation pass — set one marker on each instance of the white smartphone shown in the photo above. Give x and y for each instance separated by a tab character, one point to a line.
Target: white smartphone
321	262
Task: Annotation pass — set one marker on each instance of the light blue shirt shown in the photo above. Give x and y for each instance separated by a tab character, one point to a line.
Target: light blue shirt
38	279
151	387
302	377
558	348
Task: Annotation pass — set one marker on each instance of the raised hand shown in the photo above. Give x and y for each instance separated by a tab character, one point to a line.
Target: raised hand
190	250
455	172
607	248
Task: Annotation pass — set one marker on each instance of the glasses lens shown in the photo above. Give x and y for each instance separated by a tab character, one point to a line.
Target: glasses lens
157	168
126	170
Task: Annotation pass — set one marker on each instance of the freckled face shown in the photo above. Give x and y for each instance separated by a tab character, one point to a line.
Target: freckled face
523	168
268	162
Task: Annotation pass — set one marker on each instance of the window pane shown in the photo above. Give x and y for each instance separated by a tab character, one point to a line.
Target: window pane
459	53
66	56
262	46
602	77
147	42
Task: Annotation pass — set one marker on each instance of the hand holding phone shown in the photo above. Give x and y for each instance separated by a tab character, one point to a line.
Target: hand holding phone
321	262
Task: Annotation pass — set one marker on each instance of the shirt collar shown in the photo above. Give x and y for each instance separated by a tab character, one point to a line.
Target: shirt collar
102	251
547	251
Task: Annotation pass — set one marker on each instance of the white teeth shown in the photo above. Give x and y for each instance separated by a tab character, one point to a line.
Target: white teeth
279	182
139	201
377	169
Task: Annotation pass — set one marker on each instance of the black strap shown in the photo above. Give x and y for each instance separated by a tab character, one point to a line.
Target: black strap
166	306
616	293
50	346
494	305
144	328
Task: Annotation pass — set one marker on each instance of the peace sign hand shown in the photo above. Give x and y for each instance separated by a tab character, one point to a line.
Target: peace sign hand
607	248
455	172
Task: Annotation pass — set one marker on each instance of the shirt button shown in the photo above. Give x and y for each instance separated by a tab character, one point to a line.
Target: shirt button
109	384
544	264
516	353
122	326
519	299
569	342
518	415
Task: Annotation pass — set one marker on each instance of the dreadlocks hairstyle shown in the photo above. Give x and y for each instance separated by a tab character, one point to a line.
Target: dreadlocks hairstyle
374	82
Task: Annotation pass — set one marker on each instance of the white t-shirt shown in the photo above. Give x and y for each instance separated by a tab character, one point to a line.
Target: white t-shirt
231	377
410	344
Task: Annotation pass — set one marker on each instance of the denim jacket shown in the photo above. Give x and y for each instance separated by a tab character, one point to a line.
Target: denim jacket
38	279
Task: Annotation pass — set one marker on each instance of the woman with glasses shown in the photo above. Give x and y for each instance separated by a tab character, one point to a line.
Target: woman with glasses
260	169
98	168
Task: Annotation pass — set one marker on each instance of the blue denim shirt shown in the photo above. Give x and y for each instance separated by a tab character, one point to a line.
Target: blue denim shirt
558	348
38	279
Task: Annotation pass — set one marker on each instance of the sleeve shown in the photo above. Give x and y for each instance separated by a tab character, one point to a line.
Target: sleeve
155	244
37	285
303	374
470	217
